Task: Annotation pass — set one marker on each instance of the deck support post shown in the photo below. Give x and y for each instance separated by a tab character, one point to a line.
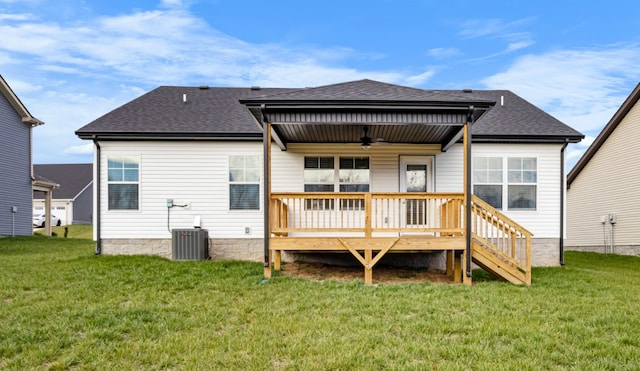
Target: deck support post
277	259
368	268
449	262
457	268
266	145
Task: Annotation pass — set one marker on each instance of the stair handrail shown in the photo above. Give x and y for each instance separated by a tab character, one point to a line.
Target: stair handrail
502	221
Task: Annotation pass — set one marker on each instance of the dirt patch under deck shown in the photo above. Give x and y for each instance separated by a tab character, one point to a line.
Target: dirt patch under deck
381	275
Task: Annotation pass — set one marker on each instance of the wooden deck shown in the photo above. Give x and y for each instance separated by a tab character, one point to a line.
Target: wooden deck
370	225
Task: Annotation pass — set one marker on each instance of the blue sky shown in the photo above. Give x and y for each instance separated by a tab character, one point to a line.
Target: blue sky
71	61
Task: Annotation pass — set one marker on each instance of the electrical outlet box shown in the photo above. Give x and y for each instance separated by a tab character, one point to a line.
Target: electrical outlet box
612	218
169	202
14	209
603	219
247	230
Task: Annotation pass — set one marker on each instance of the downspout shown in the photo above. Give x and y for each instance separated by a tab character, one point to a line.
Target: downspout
469	124
266	138
97	188
562	190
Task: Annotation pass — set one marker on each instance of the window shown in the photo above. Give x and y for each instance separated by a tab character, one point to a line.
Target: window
244	182
123	174
523	177
520	178
354	174
319	176
487	180
354	177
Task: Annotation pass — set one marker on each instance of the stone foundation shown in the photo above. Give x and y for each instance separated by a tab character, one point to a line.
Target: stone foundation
632	250
248	249
219	249
544	252
137	246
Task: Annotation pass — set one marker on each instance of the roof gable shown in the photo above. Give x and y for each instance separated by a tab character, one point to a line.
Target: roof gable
17	105
71	178
606	132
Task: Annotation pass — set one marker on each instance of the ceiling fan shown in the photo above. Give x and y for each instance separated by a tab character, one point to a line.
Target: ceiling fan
366	140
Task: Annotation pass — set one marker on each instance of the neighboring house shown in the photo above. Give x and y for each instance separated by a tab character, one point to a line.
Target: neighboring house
363	167
603	192
17	181
72	201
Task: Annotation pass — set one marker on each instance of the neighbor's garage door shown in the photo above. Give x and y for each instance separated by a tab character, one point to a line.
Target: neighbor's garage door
60	212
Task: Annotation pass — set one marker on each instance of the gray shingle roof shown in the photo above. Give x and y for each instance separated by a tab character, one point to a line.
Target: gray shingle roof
163	111
367	91
218	113
518	117
72	178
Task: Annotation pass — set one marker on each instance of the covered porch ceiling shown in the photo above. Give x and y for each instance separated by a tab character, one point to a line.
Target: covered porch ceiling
346	122
391	113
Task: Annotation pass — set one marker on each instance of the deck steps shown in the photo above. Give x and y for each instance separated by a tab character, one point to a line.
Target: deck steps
500	245
499	268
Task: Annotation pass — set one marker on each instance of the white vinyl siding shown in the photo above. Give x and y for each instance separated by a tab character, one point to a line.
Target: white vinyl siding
608	184
196	174
191	173
544	222
383	163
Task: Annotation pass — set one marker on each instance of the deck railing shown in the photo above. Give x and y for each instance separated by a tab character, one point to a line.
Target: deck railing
366	213
507	240
498	242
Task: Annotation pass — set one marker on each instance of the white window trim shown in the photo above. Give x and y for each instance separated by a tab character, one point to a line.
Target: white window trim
336	171
505	183
260	183
139	183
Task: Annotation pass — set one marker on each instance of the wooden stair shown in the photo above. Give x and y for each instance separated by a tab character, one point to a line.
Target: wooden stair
500	246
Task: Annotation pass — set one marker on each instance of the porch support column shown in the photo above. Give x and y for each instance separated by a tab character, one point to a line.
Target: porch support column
467	195
266	145
48	212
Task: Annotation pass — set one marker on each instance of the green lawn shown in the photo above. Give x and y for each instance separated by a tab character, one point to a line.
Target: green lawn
62	307
72	231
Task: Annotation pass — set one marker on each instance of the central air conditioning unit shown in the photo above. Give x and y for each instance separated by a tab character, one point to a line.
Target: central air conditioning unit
189	244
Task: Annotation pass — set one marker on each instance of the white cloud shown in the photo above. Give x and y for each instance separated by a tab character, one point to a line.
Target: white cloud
22	87
576	150
172	3
493	28
83	149
443	53
171	46
587	141
80	66
420	79
504	35
15	17
519	45
582	88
